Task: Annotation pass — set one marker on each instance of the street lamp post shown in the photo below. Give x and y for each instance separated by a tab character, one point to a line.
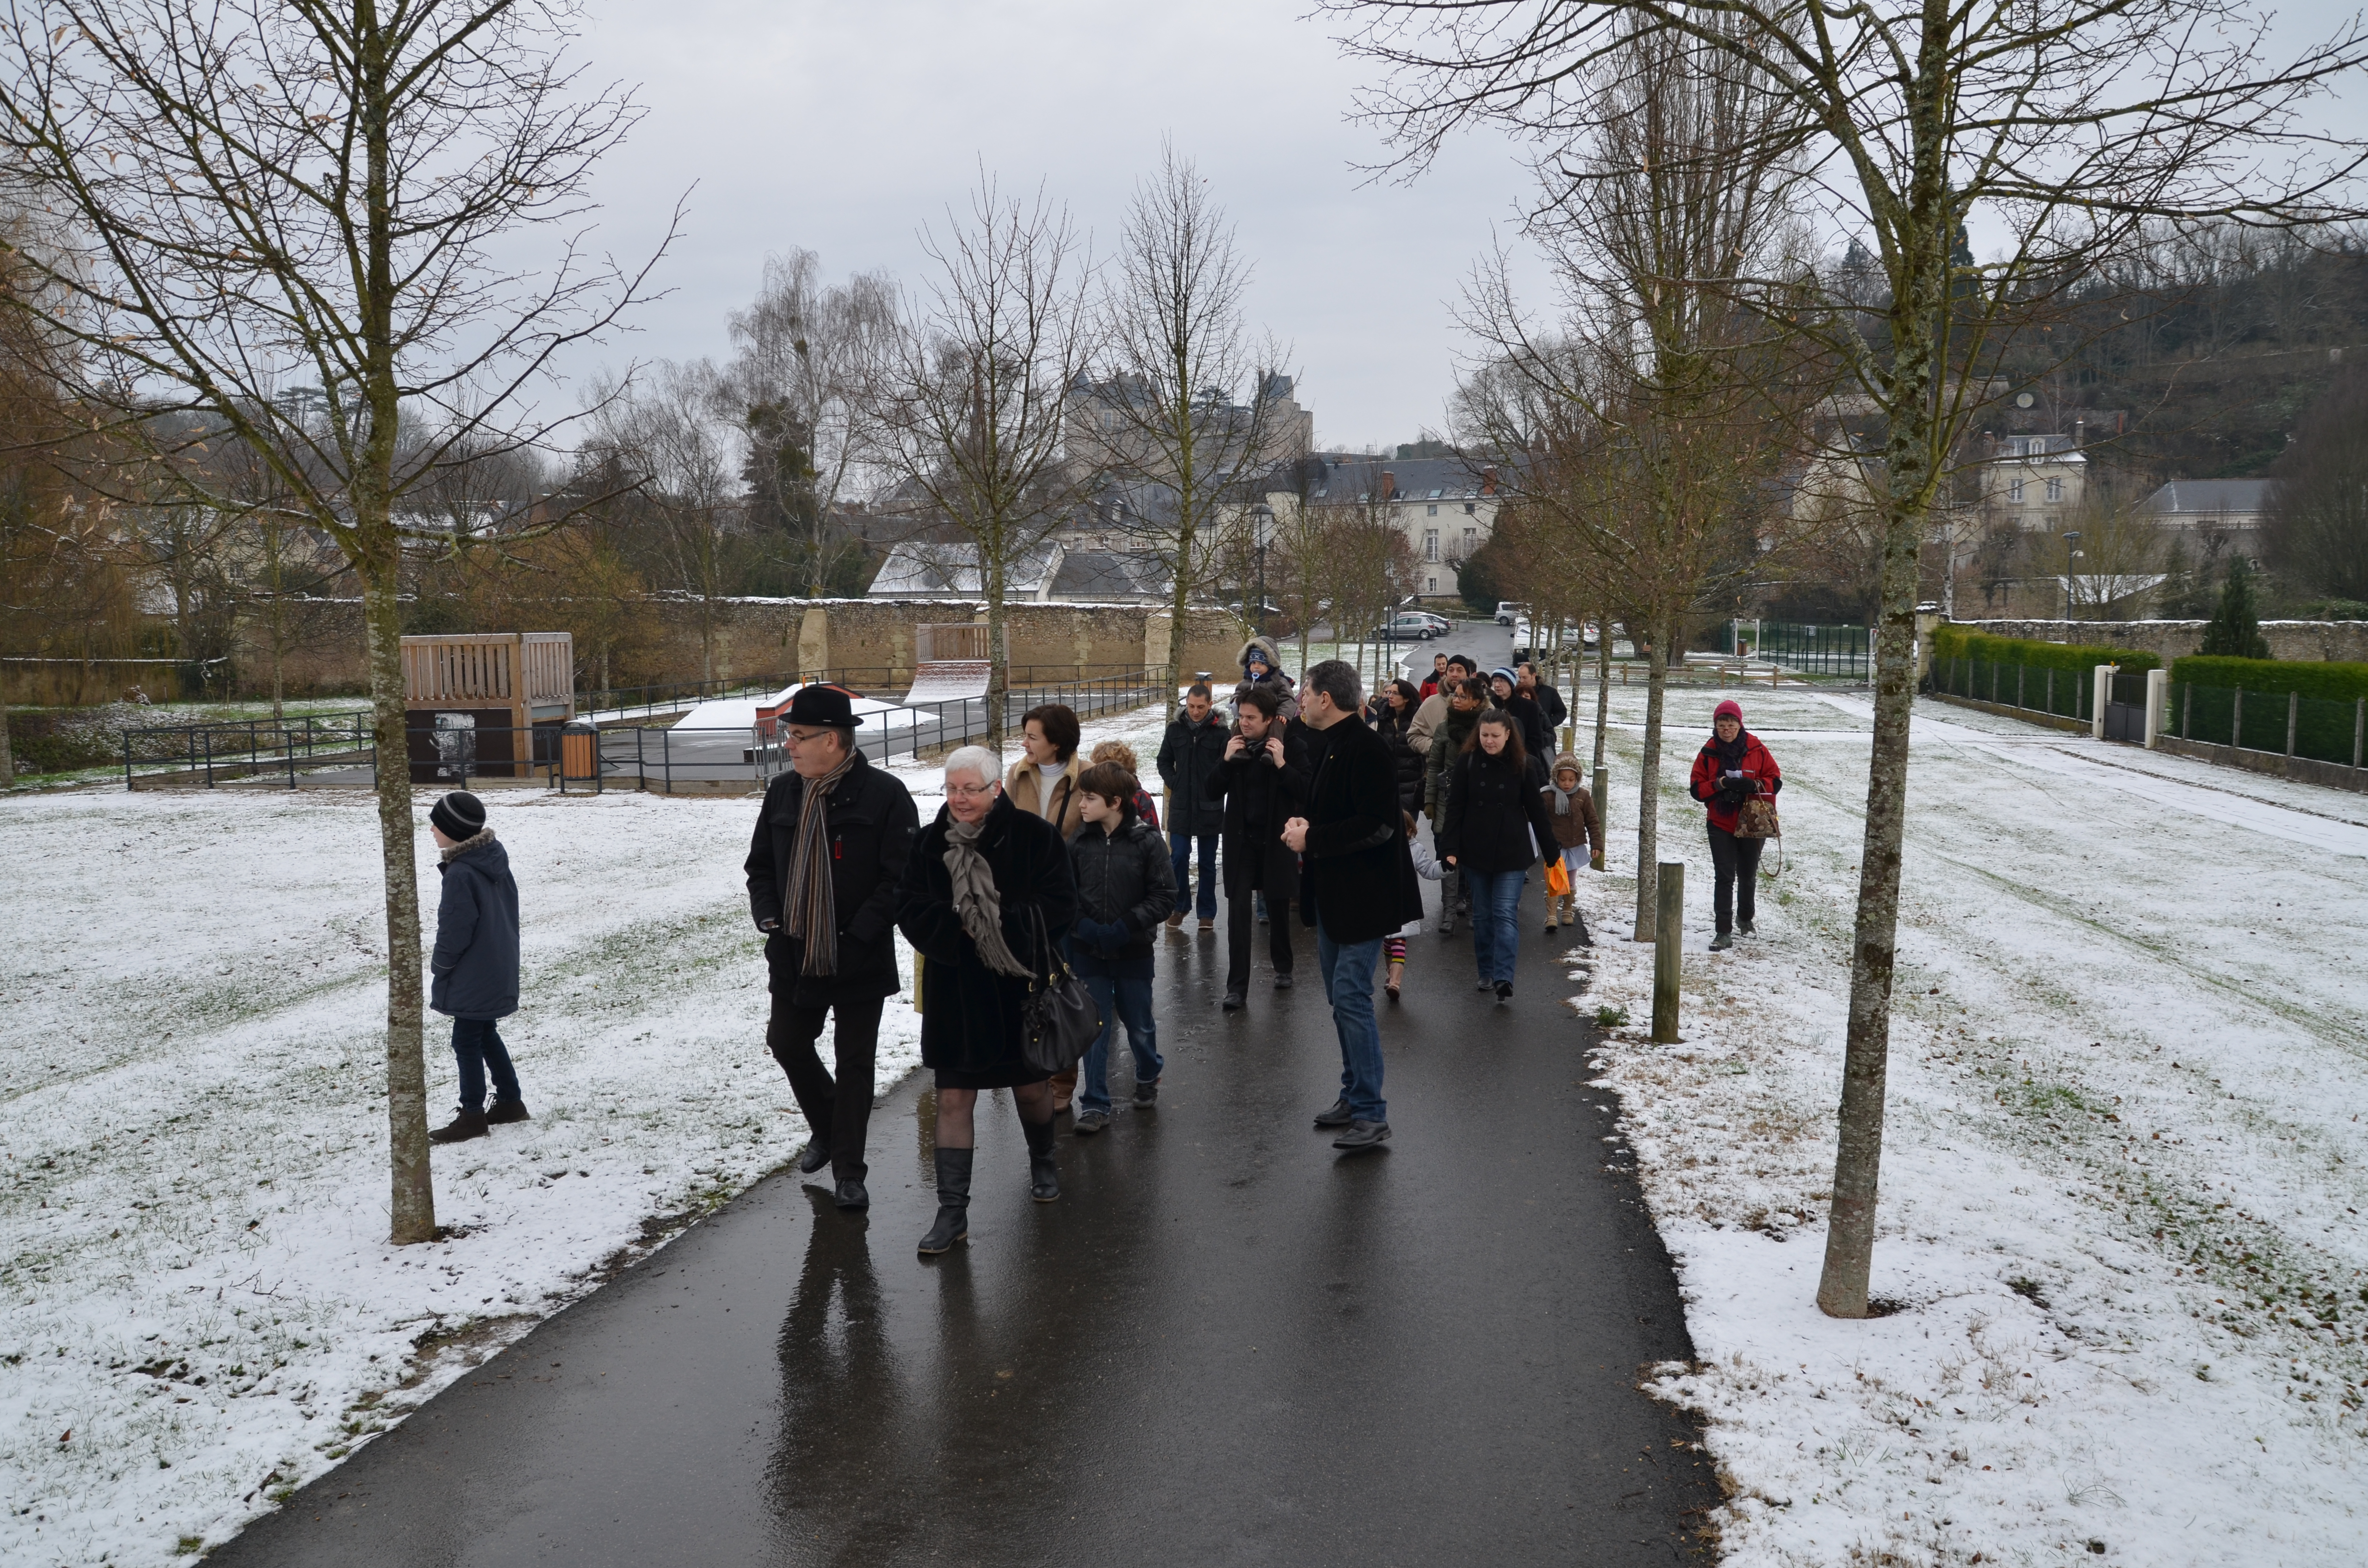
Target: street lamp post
2071	554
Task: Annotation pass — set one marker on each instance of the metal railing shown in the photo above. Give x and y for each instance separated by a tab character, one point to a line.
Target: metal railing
1821	650
2279	723
640	756
2062	694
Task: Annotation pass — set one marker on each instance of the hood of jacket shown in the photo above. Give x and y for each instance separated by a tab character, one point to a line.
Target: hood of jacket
1261	646
1565	759
482	847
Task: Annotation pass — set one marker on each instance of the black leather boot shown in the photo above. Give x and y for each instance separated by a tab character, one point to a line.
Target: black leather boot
953	1201
1043	1171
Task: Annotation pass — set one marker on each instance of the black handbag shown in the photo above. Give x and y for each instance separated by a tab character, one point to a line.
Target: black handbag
1059	1020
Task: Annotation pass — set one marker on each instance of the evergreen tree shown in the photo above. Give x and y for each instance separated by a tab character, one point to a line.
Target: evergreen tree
2236	628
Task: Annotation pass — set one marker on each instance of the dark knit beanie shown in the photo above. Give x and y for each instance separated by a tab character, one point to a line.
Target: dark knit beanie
458	815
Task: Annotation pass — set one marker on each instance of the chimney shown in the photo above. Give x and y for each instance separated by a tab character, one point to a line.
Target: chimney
1389	487
1488	481
2079	434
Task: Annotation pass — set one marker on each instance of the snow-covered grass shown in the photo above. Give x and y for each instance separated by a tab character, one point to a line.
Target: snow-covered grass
201	1310
2123	1169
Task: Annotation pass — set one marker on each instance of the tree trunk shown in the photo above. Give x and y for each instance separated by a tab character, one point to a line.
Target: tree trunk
1603	689
412	1204
7	757
1648	788
1843	1286
998	667
1177	611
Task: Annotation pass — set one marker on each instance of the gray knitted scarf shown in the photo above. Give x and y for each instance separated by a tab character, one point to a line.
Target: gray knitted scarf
978	899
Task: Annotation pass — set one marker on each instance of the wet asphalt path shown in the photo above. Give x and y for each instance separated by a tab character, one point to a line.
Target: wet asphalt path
1226	1344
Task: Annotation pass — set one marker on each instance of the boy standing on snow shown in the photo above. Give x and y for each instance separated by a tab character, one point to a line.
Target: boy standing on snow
475	963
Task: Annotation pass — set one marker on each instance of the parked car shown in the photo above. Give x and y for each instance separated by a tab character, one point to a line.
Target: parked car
1440	625
1508	608
1409	628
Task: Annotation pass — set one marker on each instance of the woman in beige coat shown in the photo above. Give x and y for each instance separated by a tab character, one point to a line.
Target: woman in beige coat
1043	783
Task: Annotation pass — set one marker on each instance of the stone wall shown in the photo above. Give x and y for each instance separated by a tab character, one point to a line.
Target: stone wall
867	642
2344	641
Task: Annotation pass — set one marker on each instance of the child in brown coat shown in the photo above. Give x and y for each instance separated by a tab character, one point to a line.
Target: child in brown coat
1578	833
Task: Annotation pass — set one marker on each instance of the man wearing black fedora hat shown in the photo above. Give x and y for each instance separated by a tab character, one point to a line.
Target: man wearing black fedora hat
828	853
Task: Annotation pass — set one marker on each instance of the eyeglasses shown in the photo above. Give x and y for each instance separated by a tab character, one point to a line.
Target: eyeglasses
970	791
800	737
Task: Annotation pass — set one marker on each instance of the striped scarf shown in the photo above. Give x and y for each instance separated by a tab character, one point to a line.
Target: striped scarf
811	907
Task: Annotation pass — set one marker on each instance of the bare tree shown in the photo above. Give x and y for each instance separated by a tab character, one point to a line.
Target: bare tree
803	382
2318	513
263	188
1163	410
675	435
2065	123
971	413
1658	397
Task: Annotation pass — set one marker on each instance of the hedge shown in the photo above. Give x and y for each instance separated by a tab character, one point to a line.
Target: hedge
1955	642
2312	677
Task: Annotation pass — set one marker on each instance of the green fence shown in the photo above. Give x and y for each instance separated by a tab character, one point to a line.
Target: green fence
2067	694
1817	650
2318	728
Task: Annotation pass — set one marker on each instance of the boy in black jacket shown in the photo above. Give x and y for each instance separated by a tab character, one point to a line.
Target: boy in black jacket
1259	782
475	965
1125	888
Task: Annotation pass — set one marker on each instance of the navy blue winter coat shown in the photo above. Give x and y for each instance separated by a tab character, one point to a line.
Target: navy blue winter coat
476	960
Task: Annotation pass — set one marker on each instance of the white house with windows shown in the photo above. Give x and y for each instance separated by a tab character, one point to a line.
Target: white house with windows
1446	508
2033	484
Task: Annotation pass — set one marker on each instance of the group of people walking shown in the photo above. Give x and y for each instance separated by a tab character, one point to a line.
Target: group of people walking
1305	802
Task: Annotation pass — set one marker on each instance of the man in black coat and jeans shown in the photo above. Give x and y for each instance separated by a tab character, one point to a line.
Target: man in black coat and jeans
1356	885
1188	753
1258	787
822	869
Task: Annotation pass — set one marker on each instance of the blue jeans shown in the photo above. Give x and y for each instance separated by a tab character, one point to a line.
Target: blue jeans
1496	920
1119	1000
478	1045
1349	985
1179	855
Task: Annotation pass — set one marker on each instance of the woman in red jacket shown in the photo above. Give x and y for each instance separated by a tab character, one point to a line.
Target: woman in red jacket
1731	767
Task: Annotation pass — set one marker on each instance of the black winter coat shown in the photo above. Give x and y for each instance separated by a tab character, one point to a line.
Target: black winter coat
1357	880
1536	737
871	822
1394	729
1259	798
1550	703
1125	878
970	1015
475	964
1492	810
1186	753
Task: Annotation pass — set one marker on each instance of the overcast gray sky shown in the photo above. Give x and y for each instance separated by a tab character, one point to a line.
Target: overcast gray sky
843	127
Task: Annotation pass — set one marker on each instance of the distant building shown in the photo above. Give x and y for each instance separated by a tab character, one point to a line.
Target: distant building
1105	434
1048	573
2033	483
1446	508
2211	519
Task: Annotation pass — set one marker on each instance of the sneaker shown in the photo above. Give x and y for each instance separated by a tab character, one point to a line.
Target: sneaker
1485	983
465	1125
1207	924
1338	1115
1504	990
515	1110
1146	1091
1721	942
1364	1135
1090	1123
1175	920
1283	981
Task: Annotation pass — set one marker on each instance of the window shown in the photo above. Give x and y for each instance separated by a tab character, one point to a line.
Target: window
1468	509
1471	540
1432	584
2055	489
1431	511
1430	542
2014	491
1434	495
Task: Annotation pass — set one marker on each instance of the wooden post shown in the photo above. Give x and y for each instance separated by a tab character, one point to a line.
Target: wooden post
1601	774
2359	730
2237	721
2294	717
2187	711
1669	931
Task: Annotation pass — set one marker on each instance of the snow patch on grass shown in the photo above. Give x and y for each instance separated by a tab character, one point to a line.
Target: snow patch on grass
2124	1277
198	1308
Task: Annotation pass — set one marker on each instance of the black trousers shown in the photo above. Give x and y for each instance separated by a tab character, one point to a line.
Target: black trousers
837	1107
1737	860
1241	924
